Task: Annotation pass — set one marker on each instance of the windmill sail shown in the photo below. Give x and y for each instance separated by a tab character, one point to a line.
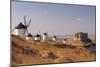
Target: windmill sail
29	23
26	25
24	20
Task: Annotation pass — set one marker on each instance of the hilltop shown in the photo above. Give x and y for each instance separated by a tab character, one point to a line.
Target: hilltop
32	52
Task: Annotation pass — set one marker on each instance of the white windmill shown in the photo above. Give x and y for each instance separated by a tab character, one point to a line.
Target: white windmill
54	38
64	41
44	37
29	36
37	37
21	28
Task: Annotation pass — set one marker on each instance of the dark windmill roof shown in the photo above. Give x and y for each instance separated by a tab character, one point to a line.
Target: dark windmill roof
64	39
54	36
38	35
30	35
20	26
45	33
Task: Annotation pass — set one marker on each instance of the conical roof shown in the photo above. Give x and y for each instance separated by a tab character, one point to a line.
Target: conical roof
64	39
54	36
20	26
45	33
30	35
38	35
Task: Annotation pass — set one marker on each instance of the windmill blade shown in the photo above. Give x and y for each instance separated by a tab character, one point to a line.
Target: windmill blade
24	20
27	31
29	23
39	32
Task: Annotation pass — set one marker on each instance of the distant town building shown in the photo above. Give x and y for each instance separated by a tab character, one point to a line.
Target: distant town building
29	37
81	36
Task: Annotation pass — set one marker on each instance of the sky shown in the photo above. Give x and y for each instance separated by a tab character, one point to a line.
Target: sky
59	19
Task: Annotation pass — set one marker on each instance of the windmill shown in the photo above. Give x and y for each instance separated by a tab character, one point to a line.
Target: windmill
29	37
37	37
64	41
45	37
21	29
54	38
26	25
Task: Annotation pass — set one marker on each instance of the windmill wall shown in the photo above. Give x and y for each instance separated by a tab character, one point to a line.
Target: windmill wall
19	32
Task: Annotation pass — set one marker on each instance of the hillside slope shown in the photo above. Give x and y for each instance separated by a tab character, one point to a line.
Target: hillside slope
32	52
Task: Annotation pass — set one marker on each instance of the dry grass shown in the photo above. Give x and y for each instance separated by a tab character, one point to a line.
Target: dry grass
38	52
